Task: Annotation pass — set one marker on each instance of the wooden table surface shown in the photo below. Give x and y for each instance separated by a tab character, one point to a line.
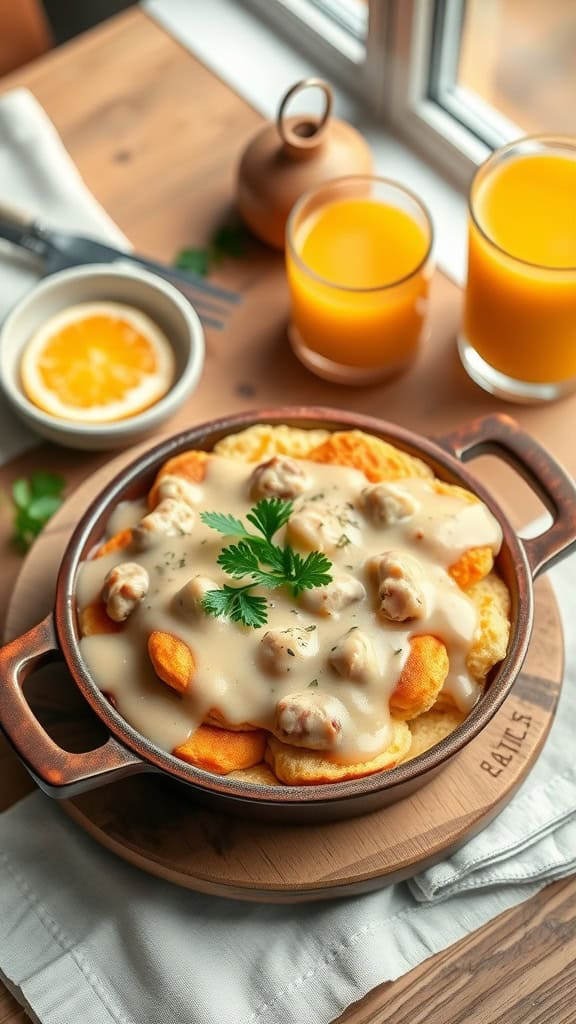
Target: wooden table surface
157	137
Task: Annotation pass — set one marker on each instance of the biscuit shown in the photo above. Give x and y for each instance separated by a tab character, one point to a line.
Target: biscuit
477	562
454	490
492	599
118	542
190	465
297	766
264	440
422	677
222	751
215	718
259	775
472	567
374	457
94	621
172	660
430	728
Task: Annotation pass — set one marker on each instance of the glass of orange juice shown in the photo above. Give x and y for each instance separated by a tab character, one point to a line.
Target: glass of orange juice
518	337
358	258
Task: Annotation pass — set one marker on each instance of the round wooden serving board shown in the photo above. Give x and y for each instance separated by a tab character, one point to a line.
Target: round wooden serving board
155	825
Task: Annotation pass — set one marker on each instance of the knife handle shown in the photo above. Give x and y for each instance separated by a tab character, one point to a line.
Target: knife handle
16	215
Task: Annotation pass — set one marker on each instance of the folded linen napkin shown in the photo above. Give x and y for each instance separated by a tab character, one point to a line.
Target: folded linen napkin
85	937
37	174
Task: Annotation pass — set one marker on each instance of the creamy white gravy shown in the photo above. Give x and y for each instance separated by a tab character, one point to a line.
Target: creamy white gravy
231	675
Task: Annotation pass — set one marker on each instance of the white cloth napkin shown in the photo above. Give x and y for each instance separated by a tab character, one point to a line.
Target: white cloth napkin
37	174
85	937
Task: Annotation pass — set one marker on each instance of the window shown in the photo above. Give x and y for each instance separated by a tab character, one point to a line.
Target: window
350	15
453	77
505	65
335	35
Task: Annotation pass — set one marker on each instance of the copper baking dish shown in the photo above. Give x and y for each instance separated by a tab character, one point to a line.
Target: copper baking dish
62	774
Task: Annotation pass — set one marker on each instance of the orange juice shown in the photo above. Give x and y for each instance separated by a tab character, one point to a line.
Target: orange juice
358	274
520	308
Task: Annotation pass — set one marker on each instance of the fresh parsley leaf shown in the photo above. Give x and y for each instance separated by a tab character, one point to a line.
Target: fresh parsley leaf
228	525
228	241
269	515
272	555
264	563
197	261
238	560
312	571
42	508
236	604
35	501
43	484
21	493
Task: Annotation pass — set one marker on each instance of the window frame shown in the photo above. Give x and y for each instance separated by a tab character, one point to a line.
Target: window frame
328	43
400	75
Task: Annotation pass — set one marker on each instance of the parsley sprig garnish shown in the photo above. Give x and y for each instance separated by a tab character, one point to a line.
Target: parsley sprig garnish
263	562
228	242
35	501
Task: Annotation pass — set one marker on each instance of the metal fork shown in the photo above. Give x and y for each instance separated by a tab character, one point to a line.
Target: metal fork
58	250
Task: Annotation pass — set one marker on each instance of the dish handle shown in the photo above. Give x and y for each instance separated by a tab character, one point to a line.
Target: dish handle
501	435
58	772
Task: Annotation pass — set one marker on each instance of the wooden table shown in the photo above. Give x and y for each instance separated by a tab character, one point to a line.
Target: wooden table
157	137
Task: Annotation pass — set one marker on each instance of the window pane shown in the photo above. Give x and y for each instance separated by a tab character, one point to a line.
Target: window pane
507	67
520	56
351	15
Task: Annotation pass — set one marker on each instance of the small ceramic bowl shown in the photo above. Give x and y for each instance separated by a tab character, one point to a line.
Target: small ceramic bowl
96	283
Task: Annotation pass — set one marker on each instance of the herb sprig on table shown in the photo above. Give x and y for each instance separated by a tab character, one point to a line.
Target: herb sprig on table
35	501
263	562
228	242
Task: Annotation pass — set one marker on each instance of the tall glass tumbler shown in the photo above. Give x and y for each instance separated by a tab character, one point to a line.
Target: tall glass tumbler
518	337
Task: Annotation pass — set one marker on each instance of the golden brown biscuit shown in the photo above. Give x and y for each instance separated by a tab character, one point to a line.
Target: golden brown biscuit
216	718
94	621
455	491
431	727
264	440
189	465
374	457
172	660
492	599
118	542
259	775
472	567
221	751
422	677
297	766
477	562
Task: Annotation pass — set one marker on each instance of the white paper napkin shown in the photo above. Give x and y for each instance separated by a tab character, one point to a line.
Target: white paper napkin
37	174
85	937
